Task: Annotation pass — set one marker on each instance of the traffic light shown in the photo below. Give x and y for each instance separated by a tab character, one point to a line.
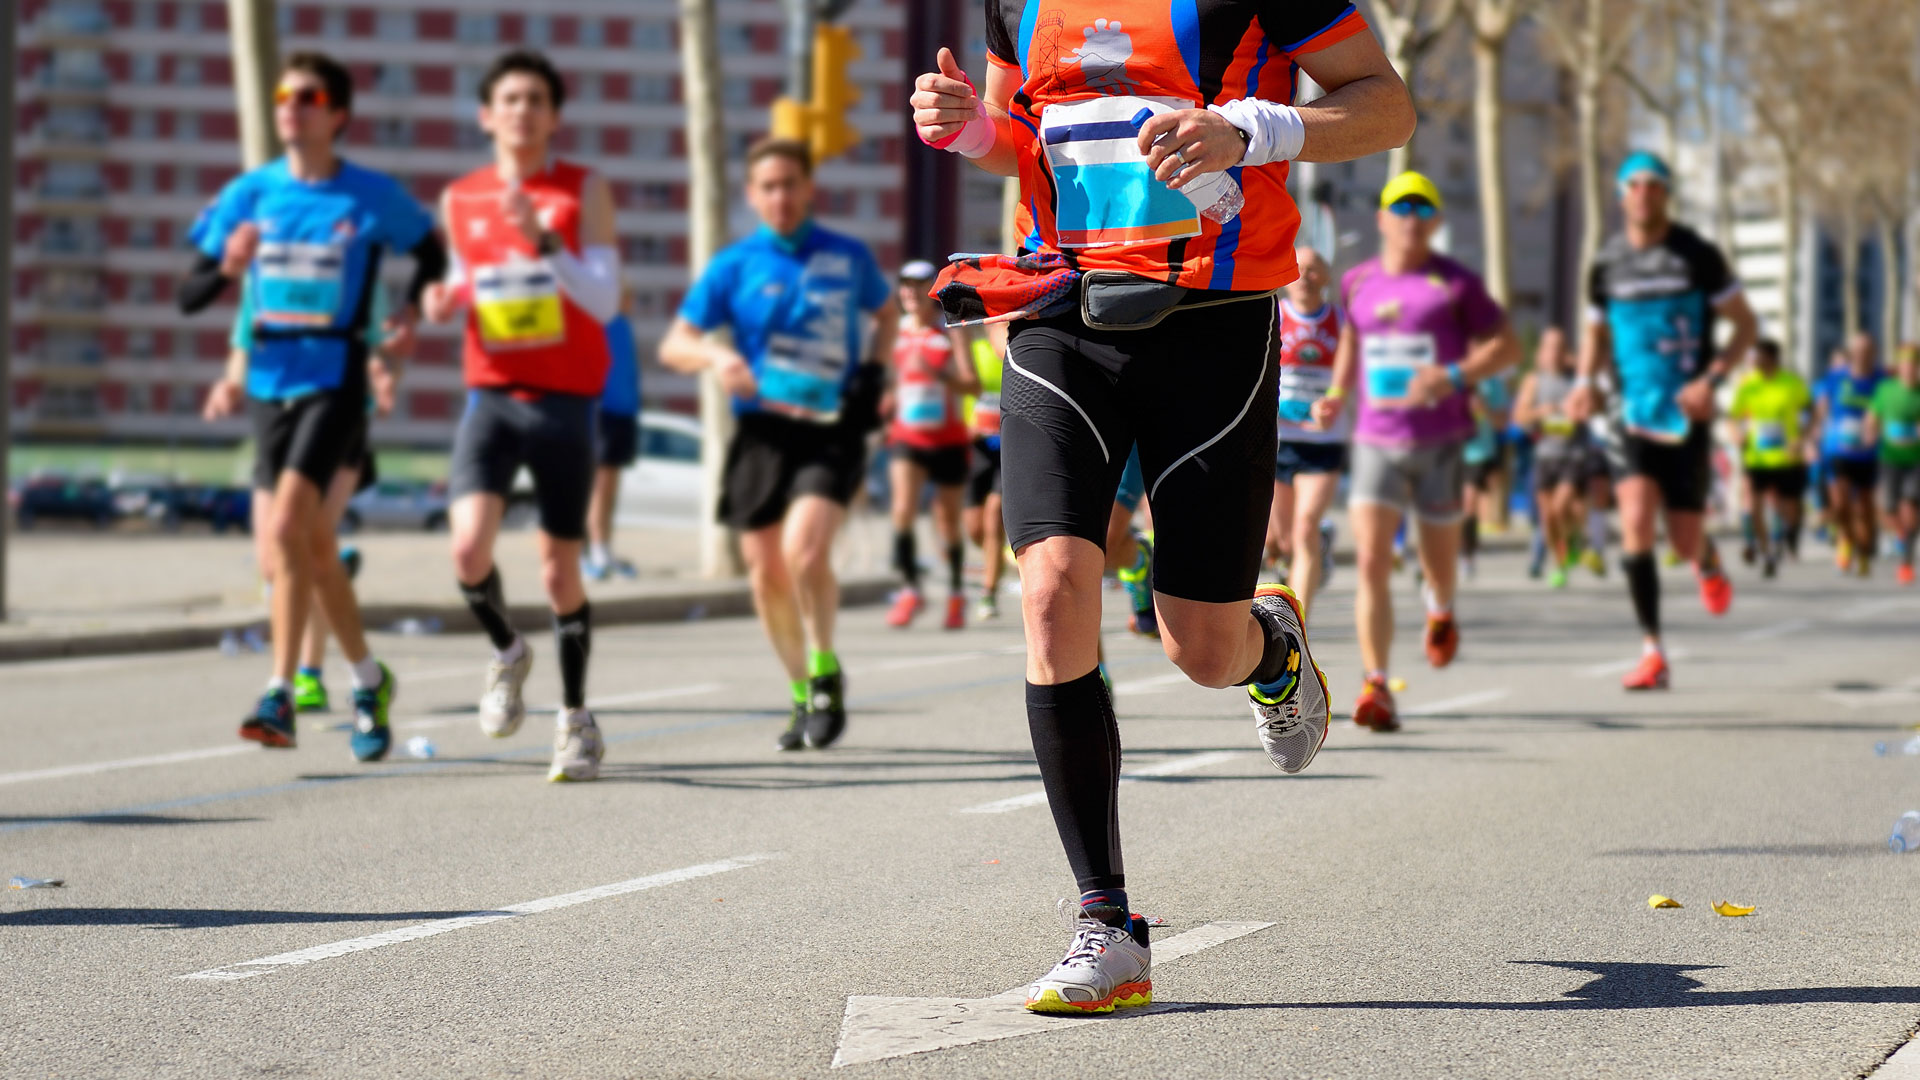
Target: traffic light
822	122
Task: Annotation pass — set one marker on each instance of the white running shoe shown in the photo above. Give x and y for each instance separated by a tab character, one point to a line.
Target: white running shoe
1105	969
1291	716
577	747
501	706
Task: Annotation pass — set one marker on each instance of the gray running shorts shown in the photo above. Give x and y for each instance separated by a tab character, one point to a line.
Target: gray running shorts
1899	484
1424	479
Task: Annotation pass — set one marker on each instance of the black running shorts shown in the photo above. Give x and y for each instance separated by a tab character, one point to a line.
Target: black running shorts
1197	393
946	466
313	435
1683	470
550	434
774	460
617	440
1787	481
983	474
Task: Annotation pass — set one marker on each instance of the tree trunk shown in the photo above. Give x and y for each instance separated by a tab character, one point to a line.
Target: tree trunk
253	32
1400	55
1886	237
1850	270
1790	268
1592	196
707	231
1490	156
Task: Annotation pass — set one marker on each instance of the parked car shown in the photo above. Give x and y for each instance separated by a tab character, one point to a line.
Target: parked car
398	504
664	486
222	508
59	498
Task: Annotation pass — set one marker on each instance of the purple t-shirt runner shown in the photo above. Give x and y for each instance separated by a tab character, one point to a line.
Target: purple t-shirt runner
1407	321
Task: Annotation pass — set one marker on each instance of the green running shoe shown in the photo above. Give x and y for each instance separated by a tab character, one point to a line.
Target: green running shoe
372	737
309	693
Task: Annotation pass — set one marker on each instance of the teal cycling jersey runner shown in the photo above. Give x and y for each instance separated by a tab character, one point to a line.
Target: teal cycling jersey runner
1658	307
318	262
797	308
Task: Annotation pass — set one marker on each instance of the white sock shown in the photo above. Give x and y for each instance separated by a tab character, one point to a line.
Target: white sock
600	554
1653	648
1433	602
366	672
512	652
1597	530
276	683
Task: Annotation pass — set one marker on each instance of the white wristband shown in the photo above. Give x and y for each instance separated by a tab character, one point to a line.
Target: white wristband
1275	131
976	138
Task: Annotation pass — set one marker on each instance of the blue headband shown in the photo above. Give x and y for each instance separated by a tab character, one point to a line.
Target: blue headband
1641	163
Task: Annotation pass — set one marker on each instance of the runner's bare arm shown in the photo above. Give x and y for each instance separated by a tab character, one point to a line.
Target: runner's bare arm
961	374
687	350
1366	108
1746	332
1594	350
1526	413
1346	357
1491	354
442	299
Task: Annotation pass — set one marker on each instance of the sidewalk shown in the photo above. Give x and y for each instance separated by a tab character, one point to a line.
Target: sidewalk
79	592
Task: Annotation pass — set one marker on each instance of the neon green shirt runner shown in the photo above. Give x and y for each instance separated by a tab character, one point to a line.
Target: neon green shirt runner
987	363
1897	406
1774	410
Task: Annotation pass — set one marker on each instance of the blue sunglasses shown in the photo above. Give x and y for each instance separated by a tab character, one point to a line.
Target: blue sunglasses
1409	208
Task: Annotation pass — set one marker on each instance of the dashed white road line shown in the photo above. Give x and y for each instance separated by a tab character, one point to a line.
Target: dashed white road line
1170	767
658	694
62	771
1621	667
1452	704
1152	684
266	965
1867	609
1779	629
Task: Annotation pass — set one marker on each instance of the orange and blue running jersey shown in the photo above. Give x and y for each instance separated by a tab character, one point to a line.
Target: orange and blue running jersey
1086	187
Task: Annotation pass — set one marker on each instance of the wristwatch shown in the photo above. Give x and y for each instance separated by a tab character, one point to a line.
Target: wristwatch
550	243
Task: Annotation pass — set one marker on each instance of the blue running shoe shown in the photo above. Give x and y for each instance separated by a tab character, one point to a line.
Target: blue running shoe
372	738
271	724
350	559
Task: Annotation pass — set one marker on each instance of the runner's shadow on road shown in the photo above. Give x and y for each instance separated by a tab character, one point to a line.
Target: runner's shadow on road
204	918
1619	986
119	819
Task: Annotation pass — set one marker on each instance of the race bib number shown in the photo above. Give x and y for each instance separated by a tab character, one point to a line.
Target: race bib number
1559	427
986	415
802	379
517	306
923	406
1902	433
1850	433
1106	195
1390	360
1300	387
299	284
1769	435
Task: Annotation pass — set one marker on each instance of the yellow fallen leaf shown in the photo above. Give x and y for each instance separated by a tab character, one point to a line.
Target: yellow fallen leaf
1658	901
1731	910
1397	684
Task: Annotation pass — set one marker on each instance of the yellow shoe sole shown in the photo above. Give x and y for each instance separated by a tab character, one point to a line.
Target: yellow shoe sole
1127	997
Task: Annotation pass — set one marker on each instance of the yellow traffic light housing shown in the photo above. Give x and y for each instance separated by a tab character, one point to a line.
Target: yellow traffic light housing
822	123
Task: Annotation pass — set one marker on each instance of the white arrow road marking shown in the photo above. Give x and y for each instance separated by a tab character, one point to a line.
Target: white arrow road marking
125	763
247	969
1172	767
876	1028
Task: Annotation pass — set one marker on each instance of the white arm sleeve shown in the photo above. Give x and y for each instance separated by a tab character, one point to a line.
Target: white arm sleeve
591	279
1274	131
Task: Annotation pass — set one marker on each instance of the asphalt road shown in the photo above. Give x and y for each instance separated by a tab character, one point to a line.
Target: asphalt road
1467	898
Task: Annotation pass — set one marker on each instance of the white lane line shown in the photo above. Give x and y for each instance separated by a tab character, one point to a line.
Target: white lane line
877	1028
61	771
662	694
266	965
1621	667
1779	629
1153	684
1170	767
1867	609
906	662
476	671
1453	704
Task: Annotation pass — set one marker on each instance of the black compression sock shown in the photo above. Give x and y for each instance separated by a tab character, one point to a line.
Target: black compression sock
1077	743
1470	535
956	567
1280	660
905	559
489	605
1643	582
574	635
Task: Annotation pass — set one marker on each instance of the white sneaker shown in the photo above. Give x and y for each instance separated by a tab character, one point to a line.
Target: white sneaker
1105	969
577	747
501	707
1291	716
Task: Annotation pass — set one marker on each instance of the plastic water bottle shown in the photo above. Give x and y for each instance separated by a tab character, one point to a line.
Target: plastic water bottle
1912	748
229	644
1906	833
1218	196
421	747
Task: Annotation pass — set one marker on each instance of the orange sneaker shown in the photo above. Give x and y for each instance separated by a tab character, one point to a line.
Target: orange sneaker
906	604
1375	710
956	612
1903	574
1716	592
1443	639
1651	674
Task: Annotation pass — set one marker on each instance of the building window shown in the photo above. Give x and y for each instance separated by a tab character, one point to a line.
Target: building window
333	23
186	18
396	26
593	32
141	124
140	289
537	31
393	131
184	400
466	82
651	143
186	71
186	125
652	34
656	89
588	86
139	398
146	67
146	15
140	344
394	79
73	179
141	234
478	28
737	93
140	178
69	403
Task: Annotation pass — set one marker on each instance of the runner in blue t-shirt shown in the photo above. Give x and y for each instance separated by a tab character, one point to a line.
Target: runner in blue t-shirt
812	323
1850	460
306	234
617	445
1655	293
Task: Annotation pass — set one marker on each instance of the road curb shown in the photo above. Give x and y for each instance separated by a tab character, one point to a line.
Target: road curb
677	604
